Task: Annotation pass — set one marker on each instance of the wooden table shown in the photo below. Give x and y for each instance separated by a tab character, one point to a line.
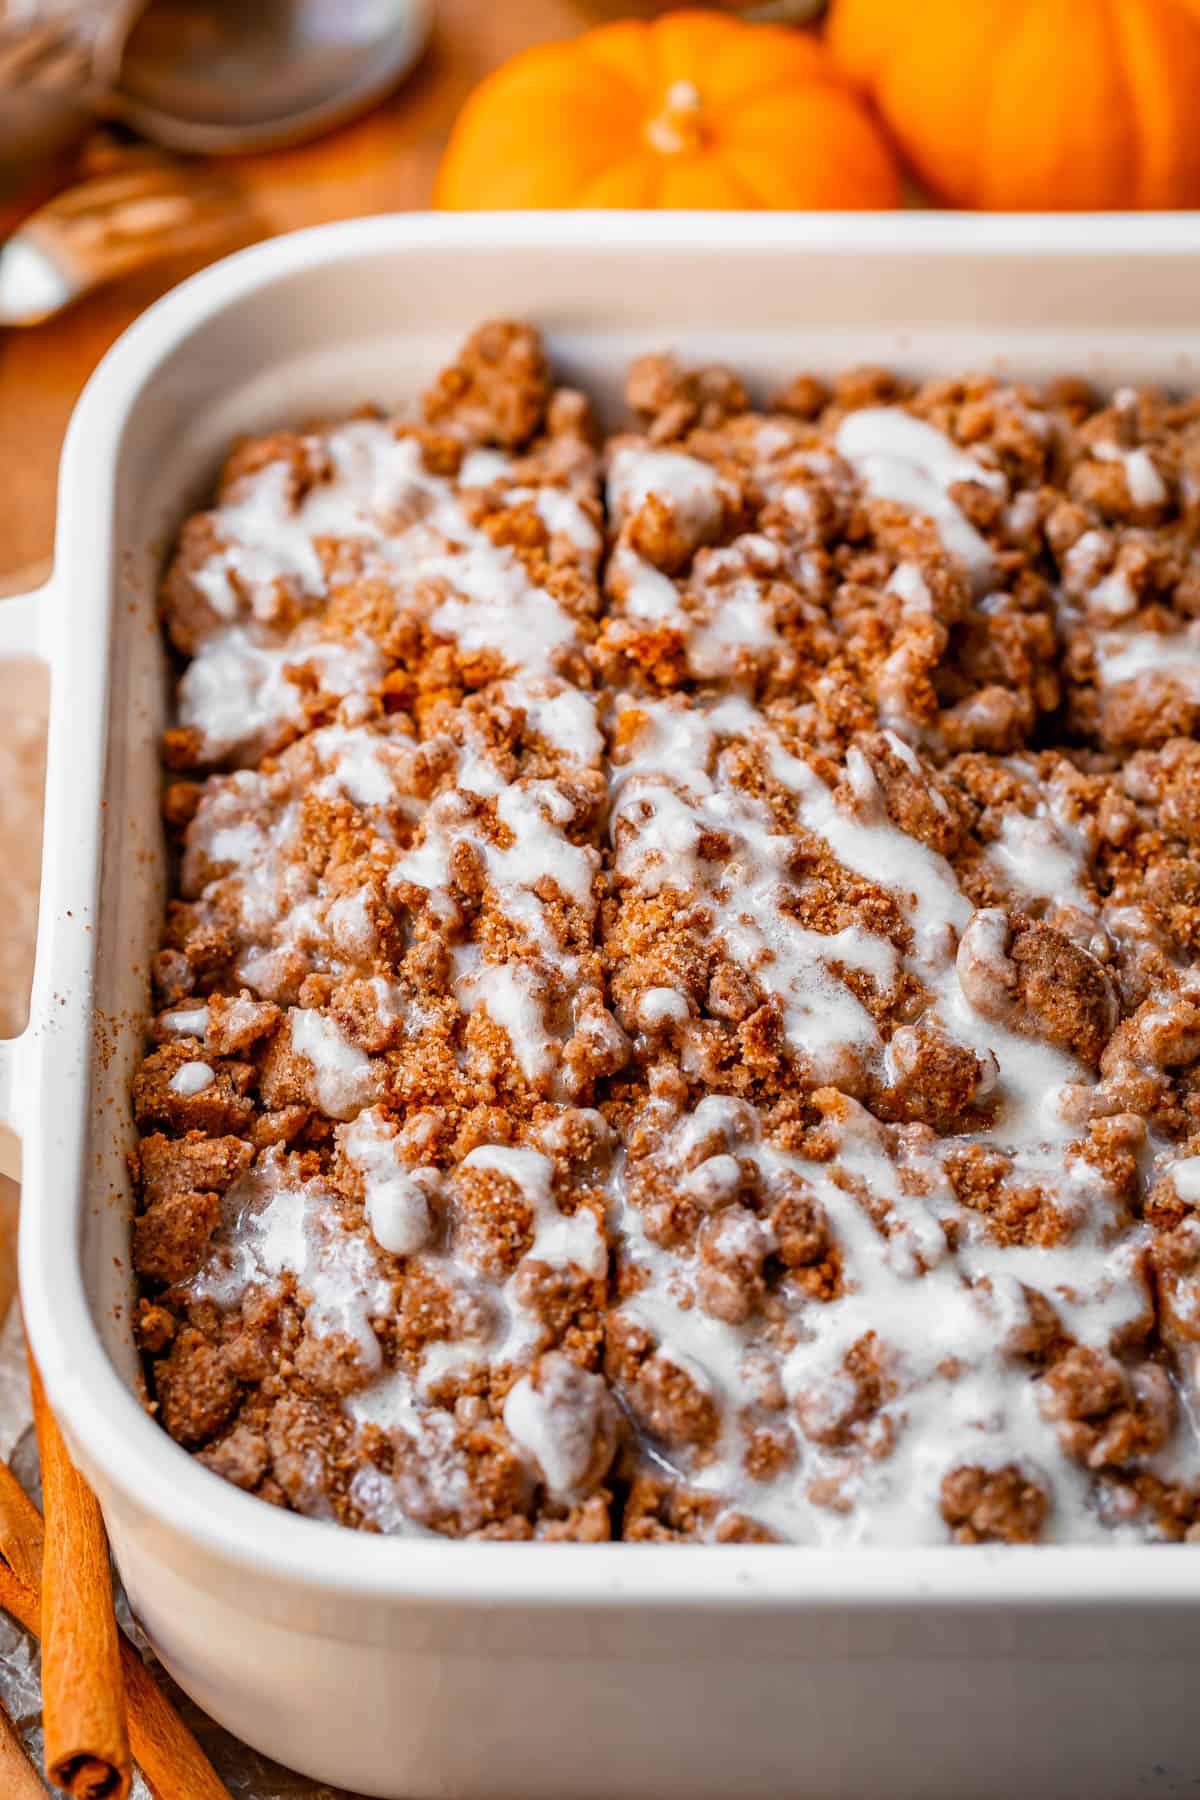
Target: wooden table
384	163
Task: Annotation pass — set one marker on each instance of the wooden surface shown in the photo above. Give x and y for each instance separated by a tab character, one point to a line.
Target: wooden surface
384	163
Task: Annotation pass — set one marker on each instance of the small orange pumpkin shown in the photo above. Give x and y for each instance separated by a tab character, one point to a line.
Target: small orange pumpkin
1050	105
692	110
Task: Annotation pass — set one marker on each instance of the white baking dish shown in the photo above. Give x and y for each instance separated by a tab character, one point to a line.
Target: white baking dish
435	1668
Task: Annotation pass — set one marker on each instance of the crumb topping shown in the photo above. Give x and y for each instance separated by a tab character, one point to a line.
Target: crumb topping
677	1017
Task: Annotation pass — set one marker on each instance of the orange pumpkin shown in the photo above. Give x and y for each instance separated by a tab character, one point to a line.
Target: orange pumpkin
692	110
1049	105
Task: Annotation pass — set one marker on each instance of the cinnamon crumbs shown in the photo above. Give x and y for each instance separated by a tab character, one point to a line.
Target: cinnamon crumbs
678	995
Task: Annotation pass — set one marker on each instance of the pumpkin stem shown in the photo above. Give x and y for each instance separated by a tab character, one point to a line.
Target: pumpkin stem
680	124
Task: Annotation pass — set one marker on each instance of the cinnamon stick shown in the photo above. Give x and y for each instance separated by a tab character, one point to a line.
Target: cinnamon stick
18	1779
22	1534
17	1599
87	1750
163	1747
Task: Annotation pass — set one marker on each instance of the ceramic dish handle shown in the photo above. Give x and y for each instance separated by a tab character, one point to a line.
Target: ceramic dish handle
21	617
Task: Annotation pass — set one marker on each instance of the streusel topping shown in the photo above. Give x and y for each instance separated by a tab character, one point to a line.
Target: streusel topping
678	1018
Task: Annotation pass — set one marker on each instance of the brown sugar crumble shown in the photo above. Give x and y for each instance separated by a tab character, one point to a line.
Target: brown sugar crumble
677	1018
